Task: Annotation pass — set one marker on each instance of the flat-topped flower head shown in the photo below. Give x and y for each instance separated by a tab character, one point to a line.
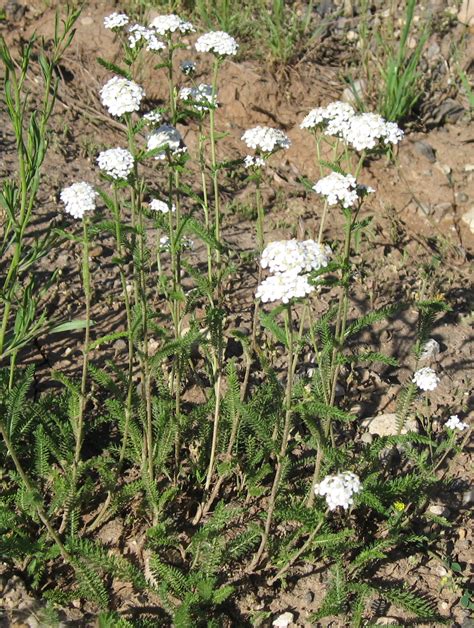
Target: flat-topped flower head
166	25
120	96
287	256
339	188
152	118
454	423
266	139
116	21
188	68
78	199
116	162
339	489
426	378
160	206
284	287
167	136
141	36
217	42
332	119
366	131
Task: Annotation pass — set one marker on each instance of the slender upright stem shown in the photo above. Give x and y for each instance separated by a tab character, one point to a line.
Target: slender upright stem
284	441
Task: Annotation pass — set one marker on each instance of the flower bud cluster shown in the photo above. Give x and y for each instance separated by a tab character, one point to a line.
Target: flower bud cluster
167	136
339	489
200	98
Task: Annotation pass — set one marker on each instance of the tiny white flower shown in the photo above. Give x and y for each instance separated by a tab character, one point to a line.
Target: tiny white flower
119	96
166	135
160	206
254	162
283	620
116	20
455	424
339	489
266	139
79	198
116	162
217	42
426	378
166	25
152	118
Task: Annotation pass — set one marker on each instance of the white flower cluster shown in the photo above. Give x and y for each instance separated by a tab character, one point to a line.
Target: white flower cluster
200	97
186	243
362	131
254	162
266	139
119	96
426	378
217	42
152	117
283	287
166	135
188	68
287	256
289	260
339	188
137	33
116	20
160	206
332	118
339	489
79	198
366	130
455	424
116	162
169	24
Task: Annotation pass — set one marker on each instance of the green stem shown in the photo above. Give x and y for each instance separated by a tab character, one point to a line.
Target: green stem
284	441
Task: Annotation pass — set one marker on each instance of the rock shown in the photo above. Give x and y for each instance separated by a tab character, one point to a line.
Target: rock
308	597
468	218
426	150
449	111
433	51
461	197
439	510
120	345
283	620
444	168
386	425
87	21
352	36
386	621
354	92
96	251
469	168
367	438
325	7
466	13
430	350
468	497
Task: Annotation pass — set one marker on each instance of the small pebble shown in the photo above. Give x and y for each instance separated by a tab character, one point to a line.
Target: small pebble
426	150
439	510
468	497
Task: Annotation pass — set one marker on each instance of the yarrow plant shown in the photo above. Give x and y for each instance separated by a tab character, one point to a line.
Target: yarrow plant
426	379
340	188
266	139
283	287
166	25
217	42
116	21
167	136
78	199
200	98
339	490
116	162
121	96
292	256
140	35
454	423
160	206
